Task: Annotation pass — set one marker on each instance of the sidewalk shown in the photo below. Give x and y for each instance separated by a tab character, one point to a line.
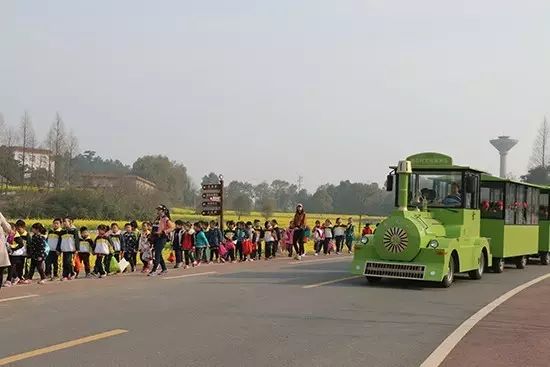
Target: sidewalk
517	333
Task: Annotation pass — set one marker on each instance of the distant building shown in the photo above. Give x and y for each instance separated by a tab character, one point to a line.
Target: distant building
34	159
114	181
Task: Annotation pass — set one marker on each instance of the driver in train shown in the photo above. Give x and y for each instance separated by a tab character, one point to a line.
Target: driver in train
454	198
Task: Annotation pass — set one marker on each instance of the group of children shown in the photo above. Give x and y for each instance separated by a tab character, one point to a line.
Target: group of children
191	245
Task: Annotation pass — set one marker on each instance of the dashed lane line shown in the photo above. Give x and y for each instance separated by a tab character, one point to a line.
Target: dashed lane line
18	298
190	275
54	348
331	282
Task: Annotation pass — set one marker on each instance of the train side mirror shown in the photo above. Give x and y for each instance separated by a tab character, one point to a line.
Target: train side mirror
470	184
389	183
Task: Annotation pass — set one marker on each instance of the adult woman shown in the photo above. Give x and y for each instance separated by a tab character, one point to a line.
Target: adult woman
299	228
161	229
5	229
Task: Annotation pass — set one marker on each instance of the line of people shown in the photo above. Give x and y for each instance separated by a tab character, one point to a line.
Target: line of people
191	244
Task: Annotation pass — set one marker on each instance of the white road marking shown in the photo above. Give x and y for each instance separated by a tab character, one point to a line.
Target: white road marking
438	356
18	298
297	262
190	275
331	282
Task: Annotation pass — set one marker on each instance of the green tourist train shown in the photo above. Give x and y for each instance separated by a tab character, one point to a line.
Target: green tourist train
454	219
435	231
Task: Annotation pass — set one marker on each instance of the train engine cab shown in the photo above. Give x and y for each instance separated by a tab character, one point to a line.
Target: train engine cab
434	231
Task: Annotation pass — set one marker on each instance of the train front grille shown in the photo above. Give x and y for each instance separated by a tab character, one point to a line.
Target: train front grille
394	270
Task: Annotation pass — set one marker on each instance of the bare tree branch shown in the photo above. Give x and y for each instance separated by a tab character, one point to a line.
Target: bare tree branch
539	157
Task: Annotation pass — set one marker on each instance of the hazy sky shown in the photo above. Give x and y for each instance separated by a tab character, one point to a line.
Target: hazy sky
263	89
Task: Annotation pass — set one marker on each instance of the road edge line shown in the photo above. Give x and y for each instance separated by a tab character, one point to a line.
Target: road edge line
190	275
446	347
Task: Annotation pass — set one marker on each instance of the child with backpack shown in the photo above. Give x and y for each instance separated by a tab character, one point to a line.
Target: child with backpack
289	238
18	253
68	246
115	235
350	230
317	237
215	238
177	238
52	257
131	245
201	242
339	232
270	239
102	248
37	252
145	246
86	245
188	246
327	237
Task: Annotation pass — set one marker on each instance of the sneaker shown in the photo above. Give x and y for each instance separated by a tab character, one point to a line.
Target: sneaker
7	284
26	281
210	262
350	252
152	274
52	279
299	258
316	254
64	279
164	272
15	281
186	267
101	276
41	282
337	253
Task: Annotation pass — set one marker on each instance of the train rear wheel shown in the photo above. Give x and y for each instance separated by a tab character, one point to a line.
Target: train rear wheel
545	258
449	278
498	264
521	262
478	273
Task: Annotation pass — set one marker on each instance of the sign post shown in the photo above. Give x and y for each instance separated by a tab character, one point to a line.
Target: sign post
212	204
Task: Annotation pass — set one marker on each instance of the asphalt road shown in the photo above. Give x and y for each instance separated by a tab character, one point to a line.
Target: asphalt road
257	314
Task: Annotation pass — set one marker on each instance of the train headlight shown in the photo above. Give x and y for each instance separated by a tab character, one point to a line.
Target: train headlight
364	240
433	244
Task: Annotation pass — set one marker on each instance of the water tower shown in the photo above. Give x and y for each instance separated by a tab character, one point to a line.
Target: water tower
503	145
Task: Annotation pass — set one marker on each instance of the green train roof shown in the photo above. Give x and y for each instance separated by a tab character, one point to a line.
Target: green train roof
490	178
436	161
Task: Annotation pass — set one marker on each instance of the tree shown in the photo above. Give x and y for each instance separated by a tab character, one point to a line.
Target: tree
27	140
211	178
539	157
70	153
538	176
56	141
267	207
242	205
170	177
9	167
321	201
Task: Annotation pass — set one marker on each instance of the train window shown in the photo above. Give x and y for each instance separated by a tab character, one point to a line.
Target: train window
510	205
492	201
543	206
439	189
521	206
532	210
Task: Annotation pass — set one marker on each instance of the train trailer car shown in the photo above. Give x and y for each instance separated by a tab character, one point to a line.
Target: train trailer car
544	225
435	230
510	218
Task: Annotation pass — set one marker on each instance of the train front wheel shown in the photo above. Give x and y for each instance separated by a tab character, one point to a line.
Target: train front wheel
478	273
449	278
545	258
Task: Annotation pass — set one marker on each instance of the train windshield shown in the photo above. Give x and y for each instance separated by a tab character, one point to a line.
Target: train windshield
437	189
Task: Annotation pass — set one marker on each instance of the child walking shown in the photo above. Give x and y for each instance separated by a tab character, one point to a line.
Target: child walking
327	236
68	246
37	252
201	242
102	248
317	237
115	235
145	246
18	253
52	258
270	239
350	230
131	244
177	238
86	245
289	238
339	231
188	245
215	238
